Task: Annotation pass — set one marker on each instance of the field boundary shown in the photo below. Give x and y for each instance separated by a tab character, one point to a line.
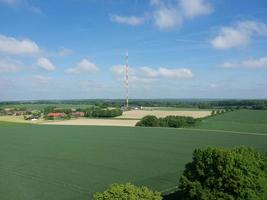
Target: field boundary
225	131
210	130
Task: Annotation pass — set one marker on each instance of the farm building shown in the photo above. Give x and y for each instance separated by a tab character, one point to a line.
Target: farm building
56	115
78	114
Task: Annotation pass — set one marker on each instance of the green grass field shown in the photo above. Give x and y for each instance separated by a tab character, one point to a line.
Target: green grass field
72	162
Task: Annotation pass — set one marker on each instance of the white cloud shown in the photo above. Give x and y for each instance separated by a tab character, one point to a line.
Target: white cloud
118	69
45	64
9	65
64	52
194	8
10	2
166	72
168	15
250	63
167	18
238	35
24	4
142	73
11	45
129	20
155	2
230	65
84	65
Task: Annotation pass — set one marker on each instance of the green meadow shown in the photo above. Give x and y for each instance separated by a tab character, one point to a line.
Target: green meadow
48	162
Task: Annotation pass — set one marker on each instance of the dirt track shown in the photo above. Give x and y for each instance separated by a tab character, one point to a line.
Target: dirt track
95	122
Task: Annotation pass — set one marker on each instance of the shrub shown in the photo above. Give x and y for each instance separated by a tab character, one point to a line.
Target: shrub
224	174
128	192
149	121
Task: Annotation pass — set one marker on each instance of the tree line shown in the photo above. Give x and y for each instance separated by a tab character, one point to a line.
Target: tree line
169	121
189	103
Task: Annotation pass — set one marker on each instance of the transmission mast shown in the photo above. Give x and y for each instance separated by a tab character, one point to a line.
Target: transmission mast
126	81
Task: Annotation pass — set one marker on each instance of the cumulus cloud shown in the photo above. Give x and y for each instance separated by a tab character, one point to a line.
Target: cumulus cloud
167	15
238	35
9	65
250	63
45	64
194	8
155	2
11	45
146	74
64	52
167	18
129	20
118	69
10	2
166	72
24	4
84	66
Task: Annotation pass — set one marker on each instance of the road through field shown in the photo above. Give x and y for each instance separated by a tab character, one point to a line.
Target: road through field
95	122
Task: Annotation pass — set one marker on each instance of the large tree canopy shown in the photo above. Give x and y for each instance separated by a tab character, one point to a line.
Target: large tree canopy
217	173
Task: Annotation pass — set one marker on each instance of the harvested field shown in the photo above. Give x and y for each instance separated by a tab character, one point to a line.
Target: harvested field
95	122
138	114
17	119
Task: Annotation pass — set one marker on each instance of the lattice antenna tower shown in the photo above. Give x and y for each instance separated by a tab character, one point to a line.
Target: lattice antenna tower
126	80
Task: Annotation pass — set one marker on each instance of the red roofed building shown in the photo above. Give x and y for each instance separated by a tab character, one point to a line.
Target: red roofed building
56	115
78	114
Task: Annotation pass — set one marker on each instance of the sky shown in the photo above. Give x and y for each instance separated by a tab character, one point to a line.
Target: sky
75	49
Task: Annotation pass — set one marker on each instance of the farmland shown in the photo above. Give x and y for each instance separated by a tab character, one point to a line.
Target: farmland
241	120
72	162
138	114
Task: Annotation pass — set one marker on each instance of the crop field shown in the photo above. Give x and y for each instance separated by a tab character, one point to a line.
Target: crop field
241	120
17	119
47	162
138	114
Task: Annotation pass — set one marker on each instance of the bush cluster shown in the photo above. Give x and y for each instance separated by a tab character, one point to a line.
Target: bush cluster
169	121
128	192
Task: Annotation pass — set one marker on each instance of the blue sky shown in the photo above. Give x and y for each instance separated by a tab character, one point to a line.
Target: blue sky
75	49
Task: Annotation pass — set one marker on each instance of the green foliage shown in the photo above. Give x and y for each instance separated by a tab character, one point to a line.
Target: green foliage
128	192
149	121
218	112
169	121
216	173
48	109
106	112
